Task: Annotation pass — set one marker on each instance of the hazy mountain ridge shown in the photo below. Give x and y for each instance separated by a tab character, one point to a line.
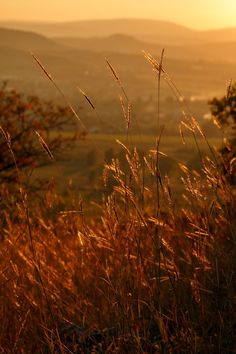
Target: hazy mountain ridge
117	43
26	40
149	30
86	67
127	44
16	47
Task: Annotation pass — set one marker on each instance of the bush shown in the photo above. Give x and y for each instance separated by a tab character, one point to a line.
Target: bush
224	112
20	118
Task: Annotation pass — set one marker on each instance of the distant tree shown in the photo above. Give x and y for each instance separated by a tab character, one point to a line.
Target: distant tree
224	112
24	121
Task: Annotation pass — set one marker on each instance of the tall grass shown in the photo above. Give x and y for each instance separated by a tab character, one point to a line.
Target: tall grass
154	277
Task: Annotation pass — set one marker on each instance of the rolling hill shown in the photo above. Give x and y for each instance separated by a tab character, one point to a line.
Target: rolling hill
25	40
15	54
120	43
81	62
117	43
164	32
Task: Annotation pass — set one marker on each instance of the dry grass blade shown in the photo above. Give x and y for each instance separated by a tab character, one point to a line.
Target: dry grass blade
126	114
113	71
232	163
159	90
153	62
182	134
123	108
87	98
154	152
6	136
70	212
20	330
228	89
188	126
49	76
43	68
44	145
117	78
124	146
159	68
91	104
128	120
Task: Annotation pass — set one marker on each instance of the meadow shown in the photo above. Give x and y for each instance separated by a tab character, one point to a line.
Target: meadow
153	271
84	163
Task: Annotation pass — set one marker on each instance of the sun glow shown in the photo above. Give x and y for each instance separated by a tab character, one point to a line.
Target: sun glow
201	14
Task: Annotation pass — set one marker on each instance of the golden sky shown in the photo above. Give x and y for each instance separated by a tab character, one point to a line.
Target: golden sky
199	14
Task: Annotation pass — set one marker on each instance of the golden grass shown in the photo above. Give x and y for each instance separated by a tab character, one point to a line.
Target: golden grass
162	276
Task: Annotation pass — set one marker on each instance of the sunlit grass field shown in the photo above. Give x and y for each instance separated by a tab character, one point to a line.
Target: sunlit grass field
90	155
129	246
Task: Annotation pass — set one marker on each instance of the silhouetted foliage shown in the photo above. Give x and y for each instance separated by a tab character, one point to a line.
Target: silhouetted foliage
29	126
224	112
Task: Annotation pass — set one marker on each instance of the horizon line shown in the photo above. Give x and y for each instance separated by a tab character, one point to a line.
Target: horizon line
113	19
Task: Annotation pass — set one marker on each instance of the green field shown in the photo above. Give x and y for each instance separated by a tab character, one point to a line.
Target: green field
82	166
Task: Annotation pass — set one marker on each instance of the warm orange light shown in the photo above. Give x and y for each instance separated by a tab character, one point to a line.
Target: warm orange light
196	14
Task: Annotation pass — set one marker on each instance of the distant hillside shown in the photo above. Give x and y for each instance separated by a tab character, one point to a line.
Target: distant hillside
126	44
8	58
164	32
82	63
219	35
27	41
219	51
15	58
120	43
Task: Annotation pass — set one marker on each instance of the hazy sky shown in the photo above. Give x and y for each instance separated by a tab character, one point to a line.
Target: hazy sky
201	14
